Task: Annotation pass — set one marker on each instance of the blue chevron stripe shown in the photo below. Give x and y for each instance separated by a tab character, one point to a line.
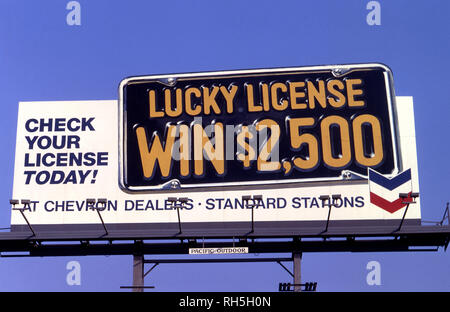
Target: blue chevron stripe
389	184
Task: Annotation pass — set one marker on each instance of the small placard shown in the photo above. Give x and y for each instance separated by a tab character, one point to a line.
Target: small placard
218	251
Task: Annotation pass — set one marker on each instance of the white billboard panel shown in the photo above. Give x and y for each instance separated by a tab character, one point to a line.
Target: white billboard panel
67	152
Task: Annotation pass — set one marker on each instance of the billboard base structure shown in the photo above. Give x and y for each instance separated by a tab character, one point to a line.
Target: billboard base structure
403	237
139	261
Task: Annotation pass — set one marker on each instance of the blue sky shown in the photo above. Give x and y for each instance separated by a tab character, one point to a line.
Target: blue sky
43	58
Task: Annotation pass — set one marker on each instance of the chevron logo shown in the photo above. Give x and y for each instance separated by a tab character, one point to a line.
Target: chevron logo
384	192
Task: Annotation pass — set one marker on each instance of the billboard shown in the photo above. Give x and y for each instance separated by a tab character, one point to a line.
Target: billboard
291	136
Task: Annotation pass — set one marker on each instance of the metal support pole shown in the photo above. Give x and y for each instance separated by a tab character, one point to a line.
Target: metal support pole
253	219
403	219
101	219
446	214
26	220
138	273
407	198
256	201
297	256
179	219
328	218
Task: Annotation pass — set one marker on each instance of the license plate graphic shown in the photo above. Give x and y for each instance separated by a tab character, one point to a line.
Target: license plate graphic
252	127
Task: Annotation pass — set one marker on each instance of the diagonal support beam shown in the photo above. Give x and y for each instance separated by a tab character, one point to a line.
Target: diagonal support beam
26	220
154	266
287	270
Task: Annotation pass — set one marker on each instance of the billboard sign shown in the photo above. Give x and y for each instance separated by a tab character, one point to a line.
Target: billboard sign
256	127
354	140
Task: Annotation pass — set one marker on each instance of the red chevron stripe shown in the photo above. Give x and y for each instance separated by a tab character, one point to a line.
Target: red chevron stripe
387	205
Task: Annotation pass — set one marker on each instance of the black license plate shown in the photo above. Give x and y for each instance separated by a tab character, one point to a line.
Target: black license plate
249	127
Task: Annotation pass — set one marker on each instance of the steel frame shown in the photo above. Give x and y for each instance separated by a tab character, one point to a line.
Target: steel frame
139	243
408	238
